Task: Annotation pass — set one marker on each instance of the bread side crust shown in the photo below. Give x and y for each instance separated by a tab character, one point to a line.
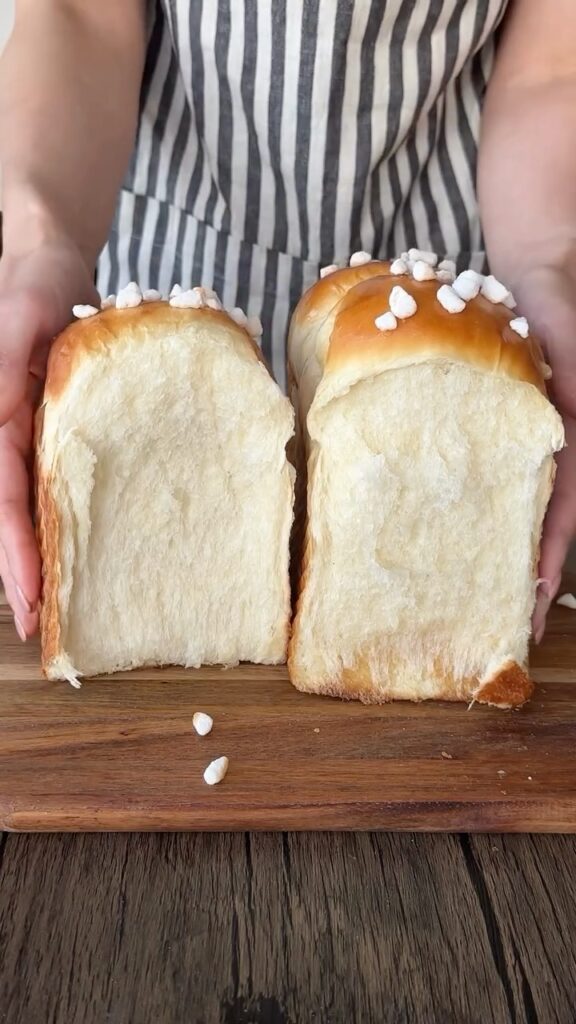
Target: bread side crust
48	533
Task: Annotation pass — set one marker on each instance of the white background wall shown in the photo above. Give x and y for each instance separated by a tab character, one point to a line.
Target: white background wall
6	15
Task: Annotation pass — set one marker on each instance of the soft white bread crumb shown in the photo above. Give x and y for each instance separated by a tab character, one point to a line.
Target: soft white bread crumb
568	601
407	578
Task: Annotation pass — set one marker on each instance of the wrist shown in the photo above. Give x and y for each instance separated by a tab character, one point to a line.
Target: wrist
31	220
521	258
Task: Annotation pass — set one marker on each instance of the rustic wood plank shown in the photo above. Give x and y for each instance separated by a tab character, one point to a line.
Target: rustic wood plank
282	929
527	890
121	753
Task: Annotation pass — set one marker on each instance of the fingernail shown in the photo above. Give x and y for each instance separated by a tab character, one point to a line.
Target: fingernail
24	600
20	629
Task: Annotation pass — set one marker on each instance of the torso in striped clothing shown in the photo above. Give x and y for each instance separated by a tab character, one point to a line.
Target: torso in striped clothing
279	135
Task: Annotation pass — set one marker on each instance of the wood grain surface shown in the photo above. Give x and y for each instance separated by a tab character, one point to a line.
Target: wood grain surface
121	753
287	929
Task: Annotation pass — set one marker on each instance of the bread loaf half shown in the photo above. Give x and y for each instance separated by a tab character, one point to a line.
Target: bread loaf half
164	495
430	445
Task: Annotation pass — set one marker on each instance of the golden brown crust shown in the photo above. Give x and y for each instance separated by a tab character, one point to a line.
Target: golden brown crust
479	335
317	302
509	688
103	329
48	533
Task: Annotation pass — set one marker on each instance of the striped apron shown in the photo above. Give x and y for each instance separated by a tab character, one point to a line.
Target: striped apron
276	136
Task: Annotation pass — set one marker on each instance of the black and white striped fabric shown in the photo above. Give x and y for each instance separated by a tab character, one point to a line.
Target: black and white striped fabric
280	135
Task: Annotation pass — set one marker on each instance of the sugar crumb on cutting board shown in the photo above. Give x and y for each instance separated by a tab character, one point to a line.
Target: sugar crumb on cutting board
216	771
202	723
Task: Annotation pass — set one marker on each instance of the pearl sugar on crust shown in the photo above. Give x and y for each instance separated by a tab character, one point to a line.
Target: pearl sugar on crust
493	289
83	312
468	284
129	297
422	271
386	321
402	304
330	269
449	299
520	325
398	267
358	259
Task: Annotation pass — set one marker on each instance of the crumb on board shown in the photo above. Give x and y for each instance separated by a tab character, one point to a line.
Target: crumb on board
501	771
316	730
202	723
216	771
447	756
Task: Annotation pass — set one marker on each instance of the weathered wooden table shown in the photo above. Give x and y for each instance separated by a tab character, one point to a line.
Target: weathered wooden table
264	928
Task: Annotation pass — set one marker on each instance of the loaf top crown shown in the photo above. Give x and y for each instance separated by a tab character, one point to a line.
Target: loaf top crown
376	314
140	316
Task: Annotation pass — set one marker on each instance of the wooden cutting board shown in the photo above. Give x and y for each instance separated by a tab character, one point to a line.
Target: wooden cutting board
121	752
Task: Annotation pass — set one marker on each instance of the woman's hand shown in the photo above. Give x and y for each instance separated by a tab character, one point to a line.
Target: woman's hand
38	287
547	297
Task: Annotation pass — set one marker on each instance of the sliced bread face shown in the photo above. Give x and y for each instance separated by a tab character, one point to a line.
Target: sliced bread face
164	495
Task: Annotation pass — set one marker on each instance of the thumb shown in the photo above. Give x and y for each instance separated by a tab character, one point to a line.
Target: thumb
20	333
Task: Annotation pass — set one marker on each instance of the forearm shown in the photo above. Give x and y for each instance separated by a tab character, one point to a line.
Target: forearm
527	159
69	87
527	186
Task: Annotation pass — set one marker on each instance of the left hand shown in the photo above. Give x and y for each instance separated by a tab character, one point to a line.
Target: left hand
547	297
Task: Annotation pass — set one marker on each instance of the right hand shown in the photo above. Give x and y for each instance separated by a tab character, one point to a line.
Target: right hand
38	287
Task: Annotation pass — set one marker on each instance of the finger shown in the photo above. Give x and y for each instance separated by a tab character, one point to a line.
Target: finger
19	331
20	557
25	621
556	540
